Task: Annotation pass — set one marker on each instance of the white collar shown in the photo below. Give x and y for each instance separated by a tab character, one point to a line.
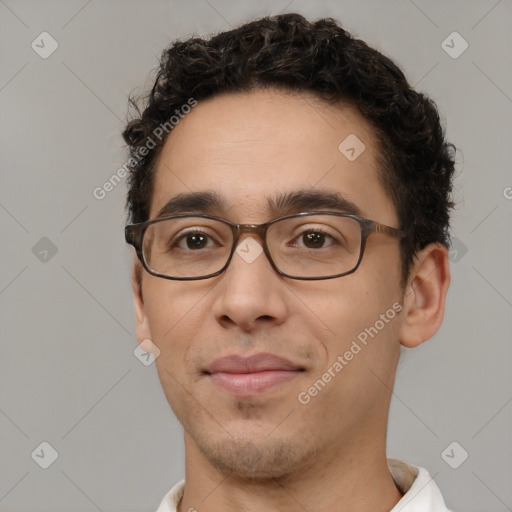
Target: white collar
421	493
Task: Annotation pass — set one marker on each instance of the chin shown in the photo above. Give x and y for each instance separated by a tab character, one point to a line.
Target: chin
261	460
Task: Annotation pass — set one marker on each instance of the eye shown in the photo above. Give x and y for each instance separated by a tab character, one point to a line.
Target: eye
314	239
193	240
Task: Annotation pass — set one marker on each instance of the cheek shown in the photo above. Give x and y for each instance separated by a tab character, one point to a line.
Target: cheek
360	348
175	316
177	319
361	308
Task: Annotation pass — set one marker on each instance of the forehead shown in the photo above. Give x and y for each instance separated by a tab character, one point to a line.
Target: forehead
253	147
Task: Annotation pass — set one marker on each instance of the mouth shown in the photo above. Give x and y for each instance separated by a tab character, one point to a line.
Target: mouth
249	376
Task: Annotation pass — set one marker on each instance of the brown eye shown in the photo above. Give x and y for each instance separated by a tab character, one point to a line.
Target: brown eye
313	239
192	240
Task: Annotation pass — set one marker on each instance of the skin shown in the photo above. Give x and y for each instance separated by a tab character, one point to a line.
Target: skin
270	452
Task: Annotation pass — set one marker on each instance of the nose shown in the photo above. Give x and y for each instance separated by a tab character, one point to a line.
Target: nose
251	293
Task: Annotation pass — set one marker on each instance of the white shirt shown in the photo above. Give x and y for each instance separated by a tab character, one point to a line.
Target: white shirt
421	493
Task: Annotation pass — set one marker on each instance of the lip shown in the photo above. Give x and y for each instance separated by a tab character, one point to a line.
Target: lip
248	376
263	361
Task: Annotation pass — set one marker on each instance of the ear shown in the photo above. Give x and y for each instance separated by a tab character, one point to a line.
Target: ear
141	320
425	295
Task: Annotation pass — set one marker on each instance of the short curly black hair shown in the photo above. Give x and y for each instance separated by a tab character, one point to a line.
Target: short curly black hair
289	52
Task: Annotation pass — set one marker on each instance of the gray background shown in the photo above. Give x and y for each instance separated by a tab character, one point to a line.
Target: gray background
68	374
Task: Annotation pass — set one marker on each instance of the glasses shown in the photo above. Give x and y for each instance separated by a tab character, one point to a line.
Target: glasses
307	246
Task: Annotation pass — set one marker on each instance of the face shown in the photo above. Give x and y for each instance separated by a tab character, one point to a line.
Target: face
335	392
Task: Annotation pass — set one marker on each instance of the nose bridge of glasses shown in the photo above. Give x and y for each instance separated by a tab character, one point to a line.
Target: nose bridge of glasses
250	229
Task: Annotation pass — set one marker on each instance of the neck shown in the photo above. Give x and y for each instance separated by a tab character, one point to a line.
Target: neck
358	480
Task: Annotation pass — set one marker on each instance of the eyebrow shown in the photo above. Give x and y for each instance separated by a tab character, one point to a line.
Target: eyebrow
280	204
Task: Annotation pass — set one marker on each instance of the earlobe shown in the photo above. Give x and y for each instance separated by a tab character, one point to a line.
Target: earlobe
142	328
425	295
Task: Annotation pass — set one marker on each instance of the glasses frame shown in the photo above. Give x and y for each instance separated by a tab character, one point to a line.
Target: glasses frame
134	235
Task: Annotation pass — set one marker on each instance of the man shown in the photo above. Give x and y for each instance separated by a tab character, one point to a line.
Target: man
278	345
